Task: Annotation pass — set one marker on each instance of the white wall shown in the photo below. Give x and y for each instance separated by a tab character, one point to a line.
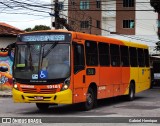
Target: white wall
5	41
108	17
146	21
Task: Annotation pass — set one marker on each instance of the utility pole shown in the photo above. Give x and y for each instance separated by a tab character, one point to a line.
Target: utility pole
56	9
59	20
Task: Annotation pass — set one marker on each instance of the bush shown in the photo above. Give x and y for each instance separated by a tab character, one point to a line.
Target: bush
5	87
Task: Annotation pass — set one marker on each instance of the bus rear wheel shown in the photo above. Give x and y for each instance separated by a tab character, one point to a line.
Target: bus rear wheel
131	95
90	99
42	106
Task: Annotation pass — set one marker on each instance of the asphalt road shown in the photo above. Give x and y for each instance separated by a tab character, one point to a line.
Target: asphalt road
145	106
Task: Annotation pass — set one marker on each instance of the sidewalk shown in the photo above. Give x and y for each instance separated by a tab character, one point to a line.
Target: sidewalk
6	93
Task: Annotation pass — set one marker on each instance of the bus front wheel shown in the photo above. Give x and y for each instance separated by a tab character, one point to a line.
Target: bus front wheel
90	99
42	106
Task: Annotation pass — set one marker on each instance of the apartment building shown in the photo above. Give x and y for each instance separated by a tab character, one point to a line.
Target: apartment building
132	17
129	17
85	16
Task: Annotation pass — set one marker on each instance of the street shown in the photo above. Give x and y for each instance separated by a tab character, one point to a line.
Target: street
146	104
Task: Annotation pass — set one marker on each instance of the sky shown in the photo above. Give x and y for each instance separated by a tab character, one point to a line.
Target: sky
26	19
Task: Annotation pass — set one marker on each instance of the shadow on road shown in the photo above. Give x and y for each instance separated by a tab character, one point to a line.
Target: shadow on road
109	102
77	109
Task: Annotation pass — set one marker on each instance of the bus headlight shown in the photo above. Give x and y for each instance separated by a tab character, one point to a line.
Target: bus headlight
66	84
15	86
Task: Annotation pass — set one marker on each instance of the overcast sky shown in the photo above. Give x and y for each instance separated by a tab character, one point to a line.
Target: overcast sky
25	20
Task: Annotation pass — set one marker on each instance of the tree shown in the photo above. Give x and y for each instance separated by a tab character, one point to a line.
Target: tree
37	28
156	5
157	48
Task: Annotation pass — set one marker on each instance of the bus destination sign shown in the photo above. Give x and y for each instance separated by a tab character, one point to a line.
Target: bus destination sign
45	37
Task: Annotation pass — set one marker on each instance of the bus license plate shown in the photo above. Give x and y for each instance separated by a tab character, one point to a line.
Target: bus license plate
38	98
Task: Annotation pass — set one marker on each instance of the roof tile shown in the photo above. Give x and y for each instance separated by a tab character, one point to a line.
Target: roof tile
6	29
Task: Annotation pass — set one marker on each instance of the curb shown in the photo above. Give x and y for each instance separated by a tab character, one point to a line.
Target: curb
5	96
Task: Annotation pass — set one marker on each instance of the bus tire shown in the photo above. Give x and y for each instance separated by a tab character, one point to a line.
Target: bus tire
131	95
90	99
42	106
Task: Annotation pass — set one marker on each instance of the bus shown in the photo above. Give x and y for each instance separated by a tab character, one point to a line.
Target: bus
66	67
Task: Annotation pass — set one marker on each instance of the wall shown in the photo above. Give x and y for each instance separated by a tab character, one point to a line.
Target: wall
84	15
124	15
6	77
146	21
108	17
4	41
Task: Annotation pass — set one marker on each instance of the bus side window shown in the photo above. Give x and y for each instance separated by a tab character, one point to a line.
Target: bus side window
115	55
133	57
91	53
78	58
141	61
124	56
146	54
104	58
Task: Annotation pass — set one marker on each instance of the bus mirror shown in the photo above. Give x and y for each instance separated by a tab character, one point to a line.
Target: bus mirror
3	69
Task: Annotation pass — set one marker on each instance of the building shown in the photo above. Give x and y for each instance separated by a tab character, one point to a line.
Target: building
128	18
8	34
85	16
132	17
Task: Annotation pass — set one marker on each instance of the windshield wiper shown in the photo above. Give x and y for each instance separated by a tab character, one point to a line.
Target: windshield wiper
49	50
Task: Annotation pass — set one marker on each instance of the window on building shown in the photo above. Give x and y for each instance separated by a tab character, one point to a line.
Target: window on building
158	23
84	4
84	24
91	53
104	57
128	3
98	3
73	2
128	23
98	24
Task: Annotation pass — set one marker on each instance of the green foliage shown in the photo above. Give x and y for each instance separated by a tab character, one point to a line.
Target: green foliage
5	87
38	28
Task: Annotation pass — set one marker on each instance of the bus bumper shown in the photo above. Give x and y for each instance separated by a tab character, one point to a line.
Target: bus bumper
63	97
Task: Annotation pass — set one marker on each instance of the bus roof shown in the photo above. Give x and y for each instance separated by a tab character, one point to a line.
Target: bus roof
85	36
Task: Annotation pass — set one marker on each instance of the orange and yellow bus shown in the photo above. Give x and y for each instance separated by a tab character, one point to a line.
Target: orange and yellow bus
63	67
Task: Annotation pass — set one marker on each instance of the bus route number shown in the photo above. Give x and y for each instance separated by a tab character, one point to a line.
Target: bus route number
53	86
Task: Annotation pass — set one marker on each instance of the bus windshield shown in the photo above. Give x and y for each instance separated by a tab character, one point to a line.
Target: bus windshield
42	61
